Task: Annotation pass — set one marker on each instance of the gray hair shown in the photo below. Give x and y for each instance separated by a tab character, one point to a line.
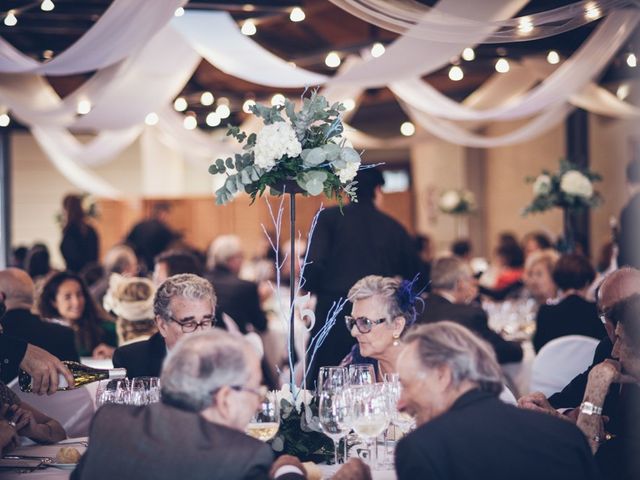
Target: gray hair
17	287
184	285
548	257
468	357
447	271
222	249
385	288
199	365
119	258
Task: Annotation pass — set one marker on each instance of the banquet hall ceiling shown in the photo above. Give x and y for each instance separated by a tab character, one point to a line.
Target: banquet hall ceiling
326	28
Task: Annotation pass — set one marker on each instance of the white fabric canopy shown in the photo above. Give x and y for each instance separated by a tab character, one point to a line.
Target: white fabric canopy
124	27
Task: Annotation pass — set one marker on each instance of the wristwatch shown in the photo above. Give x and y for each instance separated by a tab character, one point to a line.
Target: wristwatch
589	408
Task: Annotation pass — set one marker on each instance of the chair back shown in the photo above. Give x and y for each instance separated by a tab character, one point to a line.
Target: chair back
507	396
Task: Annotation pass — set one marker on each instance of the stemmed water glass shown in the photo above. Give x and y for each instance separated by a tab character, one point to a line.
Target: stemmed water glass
332	378
361	374
370	414
334	414
265	423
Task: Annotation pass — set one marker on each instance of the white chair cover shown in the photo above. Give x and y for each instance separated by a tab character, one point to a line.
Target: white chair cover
559	361
507	396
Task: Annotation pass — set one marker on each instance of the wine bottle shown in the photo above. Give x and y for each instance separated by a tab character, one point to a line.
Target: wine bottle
82	375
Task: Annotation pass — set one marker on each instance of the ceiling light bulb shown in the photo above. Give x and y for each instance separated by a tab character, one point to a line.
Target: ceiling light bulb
206	98
224	101
455	73
4	120
292	64
223	111
246	106
525	25
553	58
502	65
151	118
47	54
592	11
332	60
622	91
248	7
10	20
407	129
632	61
468	54
277	99
179	12
180	104
377	50
297	15
190	122
84	107
349	104
248	28
47	6
213	119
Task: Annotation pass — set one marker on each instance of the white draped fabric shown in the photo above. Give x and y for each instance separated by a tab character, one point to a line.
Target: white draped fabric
215	36
124	27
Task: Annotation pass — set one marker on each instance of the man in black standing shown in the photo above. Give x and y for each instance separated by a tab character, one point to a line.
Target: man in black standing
629	235
347	245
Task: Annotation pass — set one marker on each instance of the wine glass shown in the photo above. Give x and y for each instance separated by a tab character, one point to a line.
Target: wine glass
331	378
334	413
361	374
265	423
139	394
370	414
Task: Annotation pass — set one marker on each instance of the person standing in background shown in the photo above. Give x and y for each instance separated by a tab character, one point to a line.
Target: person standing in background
629	235
80	244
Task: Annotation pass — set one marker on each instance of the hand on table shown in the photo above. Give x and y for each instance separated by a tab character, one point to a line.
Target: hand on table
44	369
8	436
354	469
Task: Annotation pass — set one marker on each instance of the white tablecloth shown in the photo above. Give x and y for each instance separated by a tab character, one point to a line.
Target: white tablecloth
49	473
329	470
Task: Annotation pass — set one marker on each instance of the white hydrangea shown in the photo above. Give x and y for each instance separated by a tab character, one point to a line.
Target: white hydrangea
576	183
273	142
303	396
542	185
348	173
449	200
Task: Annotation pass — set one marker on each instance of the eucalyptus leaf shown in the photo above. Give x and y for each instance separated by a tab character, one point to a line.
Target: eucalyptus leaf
332	150
229	163
313	157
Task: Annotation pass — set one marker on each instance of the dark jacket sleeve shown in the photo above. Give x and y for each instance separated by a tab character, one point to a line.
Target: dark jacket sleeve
411	464
319	249
12	351
542	334
506	352
259	320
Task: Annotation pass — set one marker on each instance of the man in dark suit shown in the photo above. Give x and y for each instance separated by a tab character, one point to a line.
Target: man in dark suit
348	244
210	391
453	287
21	323
236	297
629	234
183	304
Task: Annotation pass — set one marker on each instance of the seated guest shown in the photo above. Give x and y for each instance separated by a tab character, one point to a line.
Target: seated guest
383	308
27	421
66	300
21	323
538	275
238	298
453	287
210	390
182	305
536	242
462	250
119	259
130	299
573	315
37	263
510	260
174	262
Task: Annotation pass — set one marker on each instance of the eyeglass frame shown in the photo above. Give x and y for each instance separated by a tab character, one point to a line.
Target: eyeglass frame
350	322
197	325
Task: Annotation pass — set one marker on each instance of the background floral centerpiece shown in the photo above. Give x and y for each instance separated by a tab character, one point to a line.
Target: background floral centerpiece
457	202
89	206
305	147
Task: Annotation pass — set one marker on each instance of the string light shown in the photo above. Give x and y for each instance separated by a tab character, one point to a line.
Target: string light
622	91
332	60
224	101
297	15
349	104
180	104
151	118
47	6
553	58
632	61
223	111
248	7
213	120
84	107
47	54
248	28
502	65
455	73
377	50
469	54
206	99
525	25
246	106
277	99
592	11
407	129
4	120
10	20
179	12
190	122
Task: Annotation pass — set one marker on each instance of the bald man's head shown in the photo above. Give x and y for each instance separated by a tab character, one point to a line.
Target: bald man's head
17	287
618	285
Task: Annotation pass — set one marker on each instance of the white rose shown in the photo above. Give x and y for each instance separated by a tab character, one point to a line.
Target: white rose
273	142
284	394
542	185
348	173
449	200
576	183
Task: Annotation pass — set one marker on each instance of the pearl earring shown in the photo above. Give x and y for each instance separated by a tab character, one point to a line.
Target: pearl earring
396	342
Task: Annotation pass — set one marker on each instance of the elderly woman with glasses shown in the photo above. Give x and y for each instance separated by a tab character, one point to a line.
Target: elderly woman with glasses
383	309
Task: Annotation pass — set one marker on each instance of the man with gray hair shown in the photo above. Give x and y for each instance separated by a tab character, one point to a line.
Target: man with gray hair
450	383
183	304
210	391
453	288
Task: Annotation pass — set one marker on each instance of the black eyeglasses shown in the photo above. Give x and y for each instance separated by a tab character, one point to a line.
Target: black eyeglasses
604	314
190	326
363	324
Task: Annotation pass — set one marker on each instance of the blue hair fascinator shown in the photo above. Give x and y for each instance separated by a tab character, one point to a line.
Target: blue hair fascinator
407	298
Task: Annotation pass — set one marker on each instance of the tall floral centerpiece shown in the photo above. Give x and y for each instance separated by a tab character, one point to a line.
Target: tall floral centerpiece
458	203
296	152
571	189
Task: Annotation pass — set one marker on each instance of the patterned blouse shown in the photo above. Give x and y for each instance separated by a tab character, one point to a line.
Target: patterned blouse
7	396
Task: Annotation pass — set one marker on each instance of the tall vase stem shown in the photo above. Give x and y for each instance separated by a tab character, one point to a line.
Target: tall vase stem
292	279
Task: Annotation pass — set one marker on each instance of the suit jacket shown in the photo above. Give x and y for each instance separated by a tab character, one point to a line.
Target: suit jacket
142	359
12	351
56	339
481	437
629	235
160	442
572	316
238	298
438	308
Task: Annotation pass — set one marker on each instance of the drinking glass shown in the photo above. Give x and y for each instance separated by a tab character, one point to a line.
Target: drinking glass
332	378
370	414
112	391
361	374
265	423
334	411
139	394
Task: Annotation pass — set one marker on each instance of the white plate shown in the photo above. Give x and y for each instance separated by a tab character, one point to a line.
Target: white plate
62	466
